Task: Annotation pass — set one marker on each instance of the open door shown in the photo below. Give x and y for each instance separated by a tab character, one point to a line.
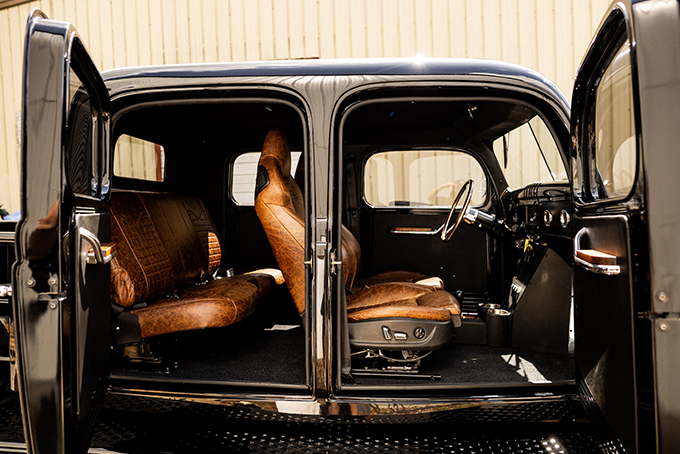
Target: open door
626	245
61	277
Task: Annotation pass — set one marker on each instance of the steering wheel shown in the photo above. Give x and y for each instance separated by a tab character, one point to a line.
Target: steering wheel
448	231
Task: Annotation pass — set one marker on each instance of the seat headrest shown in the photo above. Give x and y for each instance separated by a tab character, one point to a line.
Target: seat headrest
276	146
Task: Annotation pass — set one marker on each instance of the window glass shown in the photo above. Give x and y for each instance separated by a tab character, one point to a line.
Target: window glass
244	174
137	158
615	145
427	178
529	154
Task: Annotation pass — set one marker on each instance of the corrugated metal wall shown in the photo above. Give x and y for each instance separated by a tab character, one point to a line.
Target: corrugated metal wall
547	35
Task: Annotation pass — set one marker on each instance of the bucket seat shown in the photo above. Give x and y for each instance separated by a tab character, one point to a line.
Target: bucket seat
385	315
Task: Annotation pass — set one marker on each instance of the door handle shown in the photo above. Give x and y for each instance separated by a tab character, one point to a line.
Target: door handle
98	253
415	230
594	261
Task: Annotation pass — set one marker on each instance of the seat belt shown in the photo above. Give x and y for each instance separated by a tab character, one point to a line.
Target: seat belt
351	198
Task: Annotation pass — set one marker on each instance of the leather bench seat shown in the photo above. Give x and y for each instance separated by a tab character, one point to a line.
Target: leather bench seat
167	249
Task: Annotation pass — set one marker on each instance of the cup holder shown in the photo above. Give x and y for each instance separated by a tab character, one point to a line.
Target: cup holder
498	322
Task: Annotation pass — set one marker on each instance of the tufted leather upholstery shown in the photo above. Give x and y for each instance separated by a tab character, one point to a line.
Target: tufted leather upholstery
276	204
166	242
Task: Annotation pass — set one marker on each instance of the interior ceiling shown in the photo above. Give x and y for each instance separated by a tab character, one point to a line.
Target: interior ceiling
245	125
425	122
227	125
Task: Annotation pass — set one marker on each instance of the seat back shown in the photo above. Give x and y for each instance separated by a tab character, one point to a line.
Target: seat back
164	241
279	205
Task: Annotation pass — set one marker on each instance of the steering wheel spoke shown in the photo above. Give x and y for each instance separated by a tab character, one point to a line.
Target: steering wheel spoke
447	229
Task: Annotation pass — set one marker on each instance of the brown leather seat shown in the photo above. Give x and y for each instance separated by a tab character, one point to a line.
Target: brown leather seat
166	243
372	310
353	249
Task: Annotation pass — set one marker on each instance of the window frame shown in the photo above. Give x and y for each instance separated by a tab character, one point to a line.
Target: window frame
595	189
372	153
615	34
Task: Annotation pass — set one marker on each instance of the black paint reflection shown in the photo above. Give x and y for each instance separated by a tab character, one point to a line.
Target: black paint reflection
78	152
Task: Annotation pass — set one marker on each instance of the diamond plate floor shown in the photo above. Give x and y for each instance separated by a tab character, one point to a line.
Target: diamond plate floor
144	425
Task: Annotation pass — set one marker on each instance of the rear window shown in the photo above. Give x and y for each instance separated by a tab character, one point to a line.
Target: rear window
244	173
139	159
421	178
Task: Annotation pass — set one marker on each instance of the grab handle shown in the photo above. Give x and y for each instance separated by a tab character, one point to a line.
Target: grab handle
593	260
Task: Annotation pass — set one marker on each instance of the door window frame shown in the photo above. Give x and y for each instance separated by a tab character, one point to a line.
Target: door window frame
615	33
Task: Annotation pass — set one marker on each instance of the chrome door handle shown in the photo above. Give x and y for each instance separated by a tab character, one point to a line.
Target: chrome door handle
593	260
99	254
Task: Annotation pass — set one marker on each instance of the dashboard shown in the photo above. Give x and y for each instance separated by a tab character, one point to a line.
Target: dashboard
540	209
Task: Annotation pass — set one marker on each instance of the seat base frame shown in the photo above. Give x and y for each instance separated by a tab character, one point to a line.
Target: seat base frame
400	334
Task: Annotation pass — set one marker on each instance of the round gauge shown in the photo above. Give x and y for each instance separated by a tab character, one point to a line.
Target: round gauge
547	218
565	218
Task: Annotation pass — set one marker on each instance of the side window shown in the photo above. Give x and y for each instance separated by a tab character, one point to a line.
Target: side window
139	159
614	168
529	154
244	173
425	178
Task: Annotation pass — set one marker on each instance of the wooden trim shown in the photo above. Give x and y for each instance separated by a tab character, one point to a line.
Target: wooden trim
7	3
413	229
596	257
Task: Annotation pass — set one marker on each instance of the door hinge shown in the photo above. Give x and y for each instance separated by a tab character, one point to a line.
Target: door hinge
53	300
335	263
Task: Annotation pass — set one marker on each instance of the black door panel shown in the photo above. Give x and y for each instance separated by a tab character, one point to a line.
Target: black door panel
61	304
462	263
90	308
603	322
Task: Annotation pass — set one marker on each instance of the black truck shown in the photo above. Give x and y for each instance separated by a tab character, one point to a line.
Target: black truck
346	241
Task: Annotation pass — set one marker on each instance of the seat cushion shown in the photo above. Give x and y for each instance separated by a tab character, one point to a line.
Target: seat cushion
216	304
402	300
388	276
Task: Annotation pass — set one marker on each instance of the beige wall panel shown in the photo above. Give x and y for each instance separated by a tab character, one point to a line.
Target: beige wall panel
547	35
266	30
491	13
374	33
237	37
358	20
223	30
342	29
406	28
280	37
252	30
390	28
509	16
326	38
440	28
474	28
296	29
